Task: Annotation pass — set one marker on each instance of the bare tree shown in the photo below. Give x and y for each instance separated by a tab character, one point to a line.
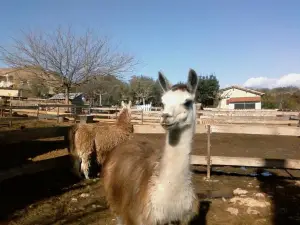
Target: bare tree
64	59
142	87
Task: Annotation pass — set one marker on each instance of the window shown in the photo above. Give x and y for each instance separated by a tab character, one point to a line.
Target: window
249	105
244	105
239	106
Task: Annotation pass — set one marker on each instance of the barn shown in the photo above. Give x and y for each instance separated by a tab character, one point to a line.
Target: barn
237	97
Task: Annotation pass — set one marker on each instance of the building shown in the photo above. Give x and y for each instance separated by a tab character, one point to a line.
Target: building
74	98
236	97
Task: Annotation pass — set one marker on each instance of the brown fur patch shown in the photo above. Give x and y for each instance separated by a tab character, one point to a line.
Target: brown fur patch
86	139
180	86
126	172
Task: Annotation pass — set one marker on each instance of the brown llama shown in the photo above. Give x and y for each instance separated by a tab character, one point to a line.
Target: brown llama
88	140
149	186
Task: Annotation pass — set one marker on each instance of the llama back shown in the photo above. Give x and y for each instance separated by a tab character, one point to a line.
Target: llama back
110	136
126	172
84	138
71	138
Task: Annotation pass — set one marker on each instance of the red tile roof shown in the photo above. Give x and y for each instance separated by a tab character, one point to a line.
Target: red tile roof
243	99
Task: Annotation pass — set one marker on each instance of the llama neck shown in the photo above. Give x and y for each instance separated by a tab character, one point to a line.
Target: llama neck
179	142
176	155
124	118
175	162
172	194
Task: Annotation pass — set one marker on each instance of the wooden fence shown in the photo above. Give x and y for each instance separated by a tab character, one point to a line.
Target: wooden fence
57	111
209	160
17	136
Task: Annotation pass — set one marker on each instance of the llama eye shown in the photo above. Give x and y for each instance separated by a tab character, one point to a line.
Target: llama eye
188	104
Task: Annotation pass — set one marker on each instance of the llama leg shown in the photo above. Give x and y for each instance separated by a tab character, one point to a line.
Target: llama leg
85	165
193	214
119	221
76	166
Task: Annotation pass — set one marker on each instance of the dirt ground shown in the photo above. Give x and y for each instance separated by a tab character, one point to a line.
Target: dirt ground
235	196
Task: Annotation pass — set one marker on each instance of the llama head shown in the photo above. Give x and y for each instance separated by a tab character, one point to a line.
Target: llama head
178	102
127	106
125	113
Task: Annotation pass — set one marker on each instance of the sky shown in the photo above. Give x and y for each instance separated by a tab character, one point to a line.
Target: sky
252	43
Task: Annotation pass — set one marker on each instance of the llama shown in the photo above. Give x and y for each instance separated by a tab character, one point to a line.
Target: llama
149	186
89	141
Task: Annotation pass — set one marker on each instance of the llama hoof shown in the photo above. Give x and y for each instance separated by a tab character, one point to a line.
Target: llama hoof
119	221
86	175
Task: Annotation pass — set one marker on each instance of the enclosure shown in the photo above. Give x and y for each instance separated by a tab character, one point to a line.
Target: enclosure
37	187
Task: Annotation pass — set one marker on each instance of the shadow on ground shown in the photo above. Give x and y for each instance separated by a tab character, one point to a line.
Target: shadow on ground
203	210
284	192
19	153
285	195
22	191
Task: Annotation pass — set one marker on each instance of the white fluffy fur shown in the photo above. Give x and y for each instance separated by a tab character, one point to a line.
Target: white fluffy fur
172	194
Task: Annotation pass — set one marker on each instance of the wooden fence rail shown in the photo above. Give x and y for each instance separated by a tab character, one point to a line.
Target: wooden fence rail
7	137
138	116
244	161
247	161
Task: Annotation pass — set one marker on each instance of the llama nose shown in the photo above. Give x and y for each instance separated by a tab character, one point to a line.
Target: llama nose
165	115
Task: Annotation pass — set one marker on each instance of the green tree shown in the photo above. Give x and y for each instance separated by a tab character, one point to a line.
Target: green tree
124	92
101	89
268	101
286	98
141	88
208	90
156	94
39	89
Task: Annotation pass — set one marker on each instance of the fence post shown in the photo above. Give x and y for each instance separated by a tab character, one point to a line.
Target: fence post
57	113
116	112
38	111
10	114
208	152
142	116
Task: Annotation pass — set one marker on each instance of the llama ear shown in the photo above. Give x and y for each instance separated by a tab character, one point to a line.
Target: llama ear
164	83
129	104
192	81
122	104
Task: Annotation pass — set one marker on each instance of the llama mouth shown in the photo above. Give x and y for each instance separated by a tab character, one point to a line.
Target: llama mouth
167	125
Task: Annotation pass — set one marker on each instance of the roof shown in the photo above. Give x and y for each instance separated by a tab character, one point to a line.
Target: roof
243	89
243	99
61	96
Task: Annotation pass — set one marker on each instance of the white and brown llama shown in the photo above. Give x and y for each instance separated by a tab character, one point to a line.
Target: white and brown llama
89	143
150	186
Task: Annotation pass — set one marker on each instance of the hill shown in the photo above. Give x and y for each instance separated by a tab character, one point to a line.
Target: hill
28	80
286	98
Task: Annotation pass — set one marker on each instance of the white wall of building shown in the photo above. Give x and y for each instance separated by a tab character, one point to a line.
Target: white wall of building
236	93
230	106
257	105
223	104
9	93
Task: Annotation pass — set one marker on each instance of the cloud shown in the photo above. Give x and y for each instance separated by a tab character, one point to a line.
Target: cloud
292	79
